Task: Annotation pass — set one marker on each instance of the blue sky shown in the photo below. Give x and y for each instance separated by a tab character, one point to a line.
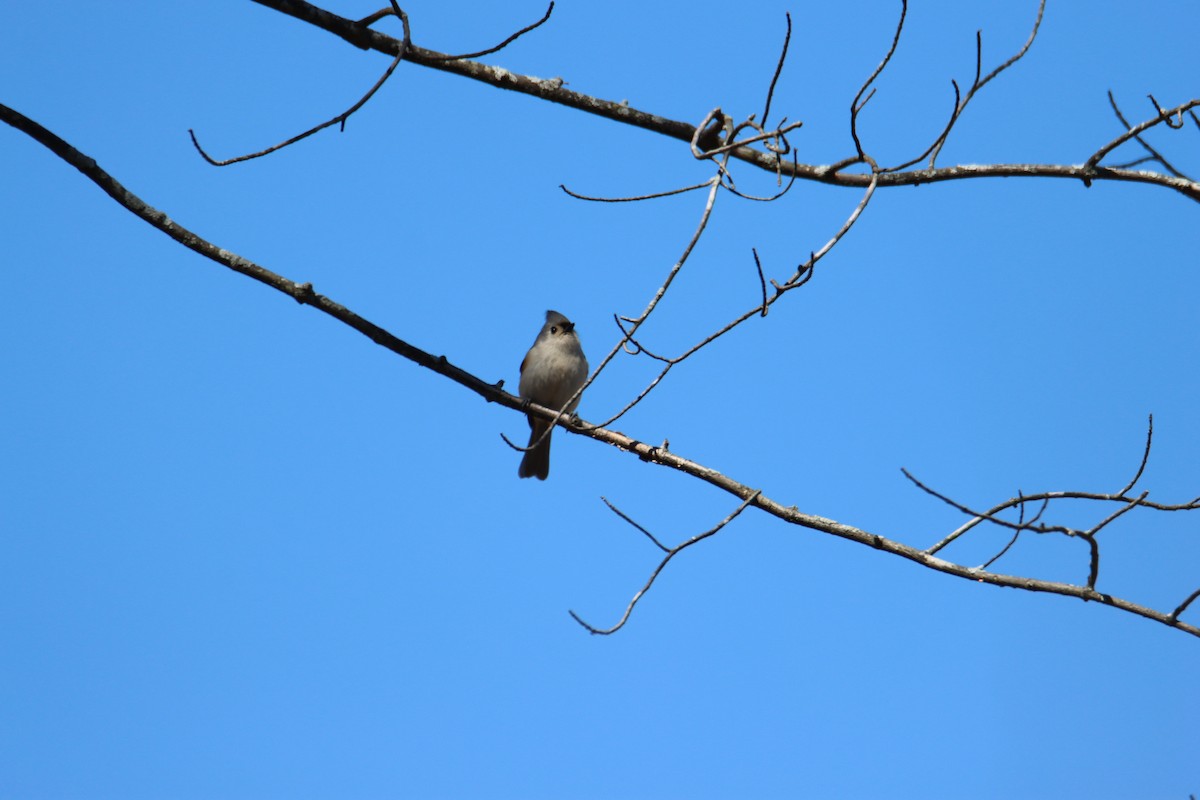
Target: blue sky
246	553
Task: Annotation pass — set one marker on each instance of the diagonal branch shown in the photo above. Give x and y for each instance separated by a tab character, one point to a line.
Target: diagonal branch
554	91
304	294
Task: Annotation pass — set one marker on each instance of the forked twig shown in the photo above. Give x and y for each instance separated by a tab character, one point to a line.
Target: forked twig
670	553
1132	133
855	105
800	277
341	118
979	83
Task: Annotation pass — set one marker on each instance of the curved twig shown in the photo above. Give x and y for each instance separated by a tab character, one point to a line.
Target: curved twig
506	42
340	118
855	105
1137	476
730	187
787	38
636	198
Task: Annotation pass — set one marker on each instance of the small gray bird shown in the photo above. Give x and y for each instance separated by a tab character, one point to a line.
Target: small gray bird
553	370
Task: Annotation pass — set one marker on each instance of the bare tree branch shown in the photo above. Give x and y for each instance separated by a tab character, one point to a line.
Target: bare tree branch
554	91
715	139
304	294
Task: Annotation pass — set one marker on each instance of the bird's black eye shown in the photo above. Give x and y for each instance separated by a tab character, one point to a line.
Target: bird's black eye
554	329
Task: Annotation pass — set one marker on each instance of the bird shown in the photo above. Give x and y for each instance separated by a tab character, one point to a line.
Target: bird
553	370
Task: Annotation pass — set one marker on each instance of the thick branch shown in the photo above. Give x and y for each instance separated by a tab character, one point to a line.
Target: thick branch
554	91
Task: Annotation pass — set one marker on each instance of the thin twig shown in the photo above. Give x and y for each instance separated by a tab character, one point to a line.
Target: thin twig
761	280
340	118
637	198
1004	550
626	517
663	288
787	38
1132	504
855	106
503	44
941	136
1183	606
772	198
1016	533
1135	162
1145	457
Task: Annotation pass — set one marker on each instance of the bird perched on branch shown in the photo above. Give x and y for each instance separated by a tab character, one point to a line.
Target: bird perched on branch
554	369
